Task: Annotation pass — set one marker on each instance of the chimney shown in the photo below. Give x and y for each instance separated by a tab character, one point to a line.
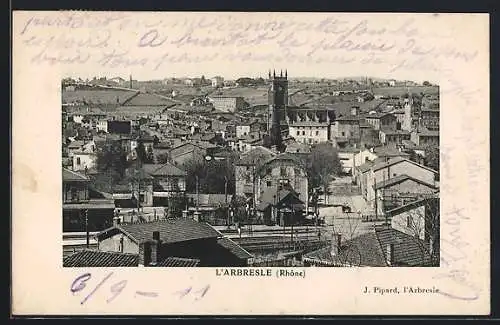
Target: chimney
116	221
336	243
155	248
390	254
145	253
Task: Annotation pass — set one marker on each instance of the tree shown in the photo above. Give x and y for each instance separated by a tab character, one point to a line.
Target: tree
238	206
144	156
323	164
213	175
176	204
112	157
432	157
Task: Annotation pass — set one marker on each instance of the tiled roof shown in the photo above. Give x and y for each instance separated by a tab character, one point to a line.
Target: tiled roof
272	194
363	250
69	175
419	202
163	170
76	144
408	250
285	156
389	151
309	123
397	160
171	231
234	248
367	165
178	262
255	155
399	179
390	162
89	258
369	250
428	133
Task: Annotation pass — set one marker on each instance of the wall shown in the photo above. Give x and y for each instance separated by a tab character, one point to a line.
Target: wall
242	130
82	160
346	129
417	215
404	167
347	161
81	189
361	157
171	183
111	244
293	173
243	179
309	134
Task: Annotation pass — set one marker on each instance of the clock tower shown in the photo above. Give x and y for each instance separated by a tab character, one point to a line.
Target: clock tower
278	101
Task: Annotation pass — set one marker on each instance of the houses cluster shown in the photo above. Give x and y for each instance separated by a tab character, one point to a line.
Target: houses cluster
127	170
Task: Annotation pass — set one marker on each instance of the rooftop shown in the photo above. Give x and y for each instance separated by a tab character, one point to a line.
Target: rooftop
178	262
171	231
71	176
309	123
398	160
398	179
368	250
90	258
234	248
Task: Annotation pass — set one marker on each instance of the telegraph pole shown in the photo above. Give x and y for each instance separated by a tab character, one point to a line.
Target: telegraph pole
227	206
197	194
86	211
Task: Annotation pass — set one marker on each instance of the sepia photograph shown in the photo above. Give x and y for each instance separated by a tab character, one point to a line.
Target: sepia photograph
175	160
273	170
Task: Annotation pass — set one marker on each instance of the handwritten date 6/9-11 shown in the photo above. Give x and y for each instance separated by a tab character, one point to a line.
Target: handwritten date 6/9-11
81	282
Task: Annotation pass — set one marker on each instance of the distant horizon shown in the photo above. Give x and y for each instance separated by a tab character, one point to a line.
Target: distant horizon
127	78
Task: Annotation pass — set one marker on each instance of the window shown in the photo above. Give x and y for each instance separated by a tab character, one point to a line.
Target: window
141	198
268	171
394	175
317	132
74	194
283	171
120	245
298	132
343	133
303	132
269	184
409	221
78	161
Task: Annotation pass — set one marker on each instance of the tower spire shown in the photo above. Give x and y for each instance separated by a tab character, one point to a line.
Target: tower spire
281	73
286	73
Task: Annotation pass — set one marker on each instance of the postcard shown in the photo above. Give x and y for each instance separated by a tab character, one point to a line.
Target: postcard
243	163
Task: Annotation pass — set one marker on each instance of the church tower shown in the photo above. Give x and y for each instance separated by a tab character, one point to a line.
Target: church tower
278	101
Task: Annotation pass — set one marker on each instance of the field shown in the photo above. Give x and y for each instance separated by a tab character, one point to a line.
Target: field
254	96
105	96
148	100
399	91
